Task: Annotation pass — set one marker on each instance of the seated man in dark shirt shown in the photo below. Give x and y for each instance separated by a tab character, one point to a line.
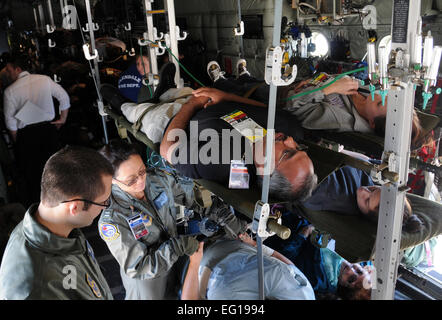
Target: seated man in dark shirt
201	141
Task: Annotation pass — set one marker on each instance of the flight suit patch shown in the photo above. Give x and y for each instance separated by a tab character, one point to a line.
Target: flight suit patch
109	231
161	200
93	285
147	220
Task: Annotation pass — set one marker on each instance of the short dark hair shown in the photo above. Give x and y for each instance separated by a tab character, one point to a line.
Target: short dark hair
281	188
73	172
20	61
411	223
118	151
347	293
144	54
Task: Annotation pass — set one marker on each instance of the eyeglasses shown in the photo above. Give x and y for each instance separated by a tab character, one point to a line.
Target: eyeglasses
132	181
106	203
288	153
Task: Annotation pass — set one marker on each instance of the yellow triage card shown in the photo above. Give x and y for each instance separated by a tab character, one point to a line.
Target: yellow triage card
322	77
244	125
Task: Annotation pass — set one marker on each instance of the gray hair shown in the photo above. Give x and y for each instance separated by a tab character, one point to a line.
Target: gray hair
281	188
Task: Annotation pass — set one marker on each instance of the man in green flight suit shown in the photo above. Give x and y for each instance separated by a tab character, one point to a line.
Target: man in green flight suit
47	256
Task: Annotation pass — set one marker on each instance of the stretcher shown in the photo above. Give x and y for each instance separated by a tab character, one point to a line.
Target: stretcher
371	144
355	236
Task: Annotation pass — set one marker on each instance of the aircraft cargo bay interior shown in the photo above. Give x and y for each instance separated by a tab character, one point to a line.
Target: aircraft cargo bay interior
220	150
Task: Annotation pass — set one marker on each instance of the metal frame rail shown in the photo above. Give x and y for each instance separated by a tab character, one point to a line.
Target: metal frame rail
154	41
269	146
399	83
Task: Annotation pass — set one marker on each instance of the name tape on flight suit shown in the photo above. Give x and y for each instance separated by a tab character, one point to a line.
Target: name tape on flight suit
161	200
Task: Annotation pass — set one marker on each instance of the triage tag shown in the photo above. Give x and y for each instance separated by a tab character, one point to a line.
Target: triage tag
137	226
239	175
322	77
244	125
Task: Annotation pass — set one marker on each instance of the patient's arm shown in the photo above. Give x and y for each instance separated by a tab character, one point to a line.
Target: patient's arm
190	289
281	257
216	96
345	86
180	121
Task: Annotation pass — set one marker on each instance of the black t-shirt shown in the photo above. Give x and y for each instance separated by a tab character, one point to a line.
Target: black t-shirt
210	118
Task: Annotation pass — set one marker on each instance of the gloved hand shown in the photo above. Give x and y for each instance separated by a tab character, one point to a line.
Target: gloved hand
235	227
208	227
221	214
189	243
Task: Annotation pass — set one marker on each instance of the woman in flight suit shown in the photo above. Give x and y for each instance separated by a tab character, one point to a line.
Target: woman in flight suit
139	227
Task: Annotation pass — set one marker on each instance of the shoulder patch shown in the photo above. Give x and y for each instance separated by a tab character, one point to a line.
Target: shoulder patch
109	231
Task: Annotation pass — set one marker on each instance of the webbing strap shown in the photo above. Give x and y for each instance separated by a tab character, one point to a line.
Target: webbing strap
122	132
137	124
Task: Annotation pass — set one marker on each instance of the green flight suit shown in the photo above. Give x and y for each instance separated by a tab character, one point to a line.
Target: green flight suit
148	260
40	265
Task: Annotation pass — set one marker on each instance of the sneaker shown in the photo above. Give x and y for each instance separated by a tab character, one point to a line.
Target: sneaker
167	81
241	68
214	71
113	96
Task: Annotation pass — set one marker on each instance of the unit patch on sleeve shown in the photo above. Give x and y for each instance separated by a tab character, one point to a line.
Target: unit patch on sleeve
109	231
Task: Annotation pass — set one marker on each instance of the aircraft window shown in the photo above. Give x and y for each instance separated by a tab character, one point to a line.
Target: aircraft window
321	44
